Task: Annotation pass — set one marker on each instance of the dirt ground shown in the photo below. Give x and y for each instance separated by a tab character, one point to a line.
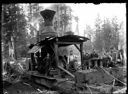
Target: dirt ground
25	87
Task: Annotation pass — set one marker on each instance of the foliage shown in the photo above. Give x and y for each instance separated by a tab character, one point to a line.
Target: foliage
34	20
14	25
32	16
107	34
98	43
62	18
88	45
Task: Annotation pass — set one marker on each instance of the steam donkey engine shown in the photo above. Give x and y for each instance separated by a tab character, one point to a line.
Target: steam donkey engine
45	64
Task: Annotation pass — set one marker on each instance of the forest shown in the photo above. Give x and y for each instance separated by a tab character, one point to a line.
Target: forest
22	25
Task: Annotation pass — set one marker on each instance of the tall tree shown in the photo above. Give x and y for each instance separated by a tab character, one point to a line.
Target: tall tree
88	46
107	35
62	17
14	24
77	24
98	43
111	33
116	27
35	21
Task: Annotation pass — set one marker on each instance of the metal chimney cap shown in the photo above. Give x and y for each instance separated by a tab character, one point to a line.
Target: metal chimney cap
47	14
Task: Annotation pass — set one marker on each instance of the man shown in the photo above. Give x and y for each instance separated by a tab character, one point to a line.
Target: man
72	61
86	60
32	63
93	55
114	56
109	58
119	58
43	66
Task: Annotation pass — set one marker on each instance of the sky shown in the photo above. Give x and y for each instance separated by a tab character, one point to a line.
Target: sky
87	13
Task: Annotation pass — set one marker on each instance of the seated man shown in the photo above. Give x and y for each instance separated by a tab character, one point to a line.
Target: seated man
86	57
93	55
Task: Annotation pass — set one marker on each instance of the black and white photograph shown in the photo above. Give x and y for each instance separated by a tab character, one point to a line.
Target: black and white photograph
64	48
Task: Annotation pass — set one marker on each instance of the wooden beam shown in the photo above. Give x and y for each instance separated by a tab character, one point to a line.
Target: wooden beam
56	53
66	71
120	91
81	53
68	42
77	47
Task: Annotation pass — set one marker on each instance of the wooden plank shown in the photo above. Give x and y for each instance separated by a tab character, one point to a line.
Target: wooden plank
43	77
56	54
68	42
77	47
120	91
81	53
35	49
113	76
66	71
106	89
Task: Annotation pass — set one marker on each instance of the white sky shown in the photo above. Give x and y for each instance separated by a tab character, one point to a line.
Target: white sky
87	13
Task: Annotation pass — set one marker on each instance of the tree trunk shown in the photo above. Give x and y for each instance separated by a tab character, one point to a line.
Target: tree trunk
15	51
11	49
2	20
64	21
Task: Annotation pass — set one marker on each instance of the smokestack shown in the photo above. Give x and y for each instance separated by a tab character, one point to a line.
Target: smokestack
48	31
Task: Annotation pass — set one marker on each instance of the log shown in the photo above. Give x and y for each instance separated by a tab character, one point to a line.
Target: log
104	89
120	91
66	71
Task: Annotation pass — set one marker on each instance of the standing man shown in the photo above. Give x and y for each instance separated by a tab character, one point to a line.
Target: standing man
119	58
72	61
86	60
114	56
43	66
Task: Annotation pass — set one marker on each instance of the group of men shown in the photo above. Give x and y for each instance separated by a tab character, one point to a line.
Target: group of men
70	62
108	59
